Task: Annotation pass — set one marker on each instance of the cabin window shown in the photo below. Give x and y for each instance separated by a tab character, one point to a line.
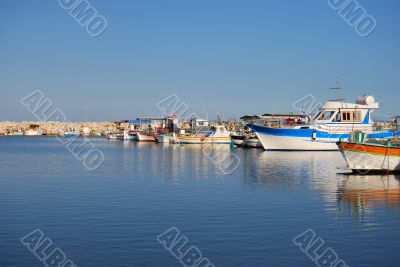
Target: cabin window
325	116
357	116
338	117
353	116
346	116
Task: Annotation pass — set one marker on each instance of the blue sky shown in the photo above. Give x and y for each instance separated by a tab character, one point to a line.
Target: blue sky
223	56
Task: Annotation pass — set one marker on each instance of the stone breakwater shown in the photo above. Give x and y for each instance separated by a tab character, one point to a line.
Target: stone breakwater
55	127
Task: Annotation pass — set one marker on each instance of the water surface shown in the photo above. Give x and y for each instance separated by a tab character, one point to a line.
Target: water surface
112	216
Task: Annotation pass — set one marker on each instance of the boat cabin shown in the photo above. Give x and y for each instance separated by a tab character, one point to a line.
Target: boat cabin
251	119
278	119
219	129
199	123
341	112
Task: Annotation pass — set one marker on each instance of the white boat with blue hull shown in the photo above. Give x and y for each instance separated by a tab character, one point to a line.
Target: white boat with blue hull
334	121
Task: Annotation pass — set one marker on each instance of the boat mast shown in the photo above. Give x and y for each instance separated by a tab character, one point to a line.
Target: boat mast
337	92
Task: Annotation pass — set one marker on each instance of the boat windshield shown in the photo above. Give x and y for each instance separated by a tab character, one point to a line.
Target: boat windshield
326	115
317	115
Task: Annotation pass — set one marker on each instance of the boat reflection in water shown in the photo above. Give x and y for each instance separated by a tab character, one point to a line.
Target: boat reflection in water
315	170
362	194
170	161
322	172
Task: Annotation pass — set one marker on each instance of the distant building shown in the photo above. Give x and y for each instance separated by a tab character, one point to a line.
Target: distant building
34	129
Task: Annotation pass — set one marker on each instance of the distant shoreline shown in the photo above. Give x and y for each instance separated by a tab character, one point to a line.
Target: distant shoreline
54	127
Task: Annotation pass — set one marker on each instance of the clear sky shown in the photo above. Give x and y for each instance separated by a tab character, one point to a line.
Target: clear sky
223	56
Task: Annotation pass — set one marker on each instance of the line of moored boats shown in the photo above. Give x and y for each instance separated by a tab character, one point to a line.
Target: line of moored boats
338	125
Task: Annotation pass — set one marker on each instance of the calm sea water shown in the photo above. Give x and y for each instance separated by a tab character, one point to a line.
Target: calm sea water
112	216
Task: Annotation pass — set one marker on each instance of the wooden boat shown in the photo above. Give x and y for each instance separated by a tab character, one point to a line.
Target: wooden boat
146	137
368	157
216	135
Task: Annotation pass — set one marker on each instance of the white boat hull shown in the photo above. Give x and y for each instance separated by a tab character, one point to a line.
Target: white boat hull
146	137
205	140
115	137
129	137
362	161
165	139
33	133
275	142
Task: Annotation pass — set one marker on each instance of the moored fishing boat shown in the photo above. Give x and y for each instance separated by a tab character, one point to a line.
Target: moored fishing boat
252	141
146	137
246	140
18	133
335	120
237	139
380	156
34	130
115	136
165	138
129	135
245	137
216	135
31	132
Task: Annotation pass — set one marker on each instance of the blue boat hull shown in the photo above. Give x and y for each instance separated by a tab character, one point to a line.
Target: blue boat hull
306	139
